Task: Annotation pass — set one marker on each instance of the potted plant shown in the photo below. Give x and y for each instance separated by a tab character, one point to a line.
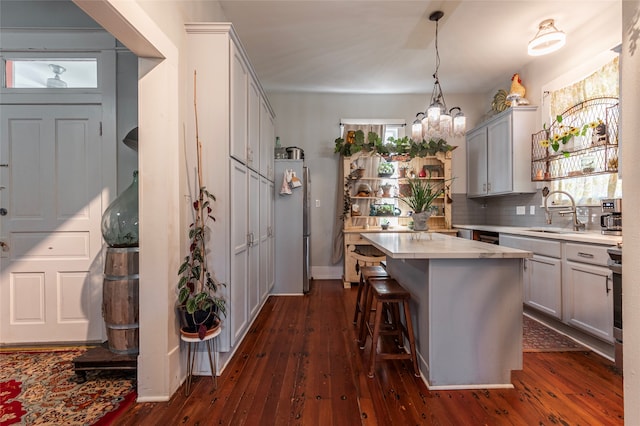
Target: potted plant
421	194
199	305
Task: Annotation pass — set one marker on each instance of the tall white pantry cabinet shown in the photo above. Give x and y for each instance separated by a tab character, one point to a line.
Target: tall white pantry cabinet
236	129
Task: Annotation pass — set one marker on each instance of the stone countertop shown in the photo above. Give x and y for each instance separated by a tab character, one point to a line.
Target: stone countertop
548	232
425	245
392	229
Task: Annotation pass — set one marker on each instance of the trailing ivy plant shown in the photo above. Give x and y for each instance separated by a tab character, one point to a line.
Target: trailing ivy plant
355	142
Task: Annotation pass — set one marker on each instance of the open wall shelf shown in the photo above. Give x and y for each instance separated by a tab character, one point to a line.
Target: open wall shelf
594	153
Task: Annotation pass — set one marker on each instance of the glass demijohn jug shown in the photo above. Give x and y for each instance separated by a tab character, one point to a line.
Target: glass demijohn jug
120	220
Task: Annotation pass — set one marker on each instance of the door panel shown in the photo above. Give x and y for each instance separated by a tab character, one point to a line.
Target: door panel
51	273
238	308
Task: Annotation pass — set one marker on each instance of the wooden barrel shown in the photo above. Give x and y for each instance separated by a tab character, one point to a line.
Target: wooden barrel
120	297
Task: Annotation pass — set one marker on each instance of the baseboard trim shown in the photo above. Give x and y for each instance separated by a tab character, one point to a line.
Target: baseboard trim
326	272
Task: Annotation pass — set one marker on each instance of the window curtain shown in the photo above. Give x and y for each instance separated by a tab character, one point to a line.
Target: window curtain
338	225
604	82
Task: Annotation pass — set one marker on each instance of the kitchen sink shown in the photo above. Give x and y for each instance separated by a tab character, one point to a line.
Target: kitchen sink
550	230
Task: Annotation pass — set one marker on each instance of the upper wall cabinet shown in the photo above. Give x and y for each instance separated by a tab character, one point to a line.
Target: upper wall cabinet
499	156
249	109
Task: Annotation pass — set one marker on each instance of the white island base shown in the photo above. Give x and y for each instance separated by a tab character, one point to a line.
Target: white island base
466	311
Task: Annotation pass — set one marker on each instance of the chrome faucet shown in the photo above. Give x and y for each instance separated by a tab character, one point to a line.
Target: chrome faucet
577	225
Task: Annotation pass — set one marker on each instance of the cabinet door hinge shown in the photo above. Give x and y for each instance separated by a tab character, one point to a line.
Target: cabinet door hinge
100	130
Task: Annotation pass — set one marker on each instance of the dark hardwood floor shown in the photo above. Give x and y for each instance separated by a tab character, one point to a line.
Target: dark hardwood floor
300	365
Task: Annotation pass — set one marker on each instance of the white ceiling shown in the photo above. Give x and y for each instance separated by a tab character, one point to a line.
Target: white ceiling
388	46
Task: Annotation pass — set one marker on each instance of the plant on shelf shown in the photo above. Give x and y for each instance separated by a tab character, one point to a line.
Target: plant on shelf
355	142
198	302
558	135
421	194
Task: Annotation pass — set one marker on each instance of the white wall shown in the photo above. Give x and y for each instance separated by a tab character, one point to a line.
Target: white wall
311	121
579	58
630	111
154	32
126	115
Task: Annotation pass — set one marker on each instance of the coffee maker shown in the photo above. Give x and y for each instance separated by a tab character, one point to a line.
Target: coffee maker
611	219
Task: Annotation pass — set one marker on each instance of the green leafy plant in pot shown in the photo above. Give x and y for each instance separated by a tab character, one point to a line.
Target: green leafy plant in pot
422	193
199	305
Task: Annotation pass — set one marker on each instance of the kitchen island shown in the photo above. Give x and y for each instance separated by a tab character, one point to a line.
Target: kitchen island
466	306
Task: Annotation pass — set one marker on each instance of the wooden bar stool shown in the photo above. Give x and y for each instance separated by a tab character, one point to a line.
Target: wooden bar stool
366	272
387	290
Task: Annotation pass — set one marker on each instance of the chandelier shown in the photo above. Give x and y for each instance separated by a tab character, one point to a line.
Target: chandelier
437	122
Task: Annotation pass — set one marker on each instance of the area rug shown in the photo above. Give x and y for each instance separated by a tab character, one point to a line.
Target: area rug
39	388
537	337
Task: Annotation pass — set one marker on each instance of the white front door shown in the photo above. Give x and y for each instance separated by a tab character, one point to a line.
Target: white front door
50	265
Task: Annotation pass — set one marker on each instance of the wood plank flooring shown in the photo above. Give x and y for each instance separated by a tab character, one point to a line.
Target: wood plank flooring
300	365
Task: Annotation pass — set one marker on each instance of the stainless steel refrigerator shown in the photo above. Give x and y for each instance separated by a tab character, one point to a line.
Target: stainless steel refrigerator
292	230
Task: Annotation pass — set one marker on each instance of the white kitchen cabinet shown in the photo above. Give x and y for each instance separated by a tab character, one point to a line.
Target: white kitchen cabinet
254	243
230	103
267	141
499	154
542	273
238	99
253	131
589	290
543	284
477	162
239	285
266	238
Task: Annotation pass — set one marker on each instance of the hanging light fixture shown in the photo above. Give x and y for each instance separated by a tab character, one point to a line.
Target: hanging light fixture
416	127
437	121
56	82
548	39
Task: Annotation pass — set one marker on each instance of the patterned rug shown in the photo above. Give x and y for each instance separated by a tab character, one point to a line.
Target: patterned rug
537	337
39	388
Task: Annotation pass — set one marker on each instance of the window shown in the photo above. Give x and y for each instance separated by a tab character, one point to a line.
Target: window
50	73
588	190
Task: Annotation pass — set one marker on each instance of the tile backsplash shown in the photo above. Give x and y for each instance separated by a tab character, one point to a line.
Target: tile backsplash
502	211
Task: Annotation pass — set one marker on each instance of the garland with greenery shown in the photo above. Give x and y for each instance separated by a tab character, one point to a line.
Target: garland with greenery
402	146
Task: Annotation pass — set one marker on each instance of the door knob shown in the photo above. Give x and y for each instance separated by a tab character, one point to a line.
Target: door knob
3	211
4	246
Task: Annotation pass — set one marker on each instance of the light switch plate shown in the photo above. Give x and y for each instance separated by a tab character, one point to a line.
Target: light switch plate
520	210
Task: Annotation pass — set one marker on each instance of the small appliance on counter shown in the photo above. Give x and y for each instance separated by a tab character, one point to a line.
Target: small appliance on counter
611	219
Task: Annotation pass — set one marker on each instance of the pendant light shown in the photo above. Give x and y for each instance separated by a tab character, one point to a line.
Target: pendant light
56	82
548	39
437	121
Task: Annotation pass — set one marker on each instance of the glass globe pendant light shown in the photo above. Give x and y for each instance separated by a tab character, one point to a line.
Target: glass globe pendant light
437	121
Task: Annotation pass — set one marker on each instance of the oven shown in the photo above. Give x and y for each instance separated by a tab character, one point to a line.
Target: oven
615	264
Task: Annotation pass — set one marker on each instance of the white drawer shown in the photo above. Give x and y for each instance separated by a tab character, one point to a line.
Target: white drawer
585	253
539	246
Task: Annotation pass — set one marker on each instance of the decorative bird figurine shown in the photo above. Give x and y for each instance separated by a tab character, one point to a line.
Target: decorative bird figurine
516	86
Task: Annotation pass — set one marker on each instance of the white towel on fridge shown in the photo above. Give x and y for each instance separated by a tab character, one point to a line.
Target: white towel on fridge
286	183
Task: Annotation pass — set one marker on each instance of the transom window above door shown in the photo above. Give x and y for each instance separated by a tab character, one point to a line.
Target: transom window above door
50	73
